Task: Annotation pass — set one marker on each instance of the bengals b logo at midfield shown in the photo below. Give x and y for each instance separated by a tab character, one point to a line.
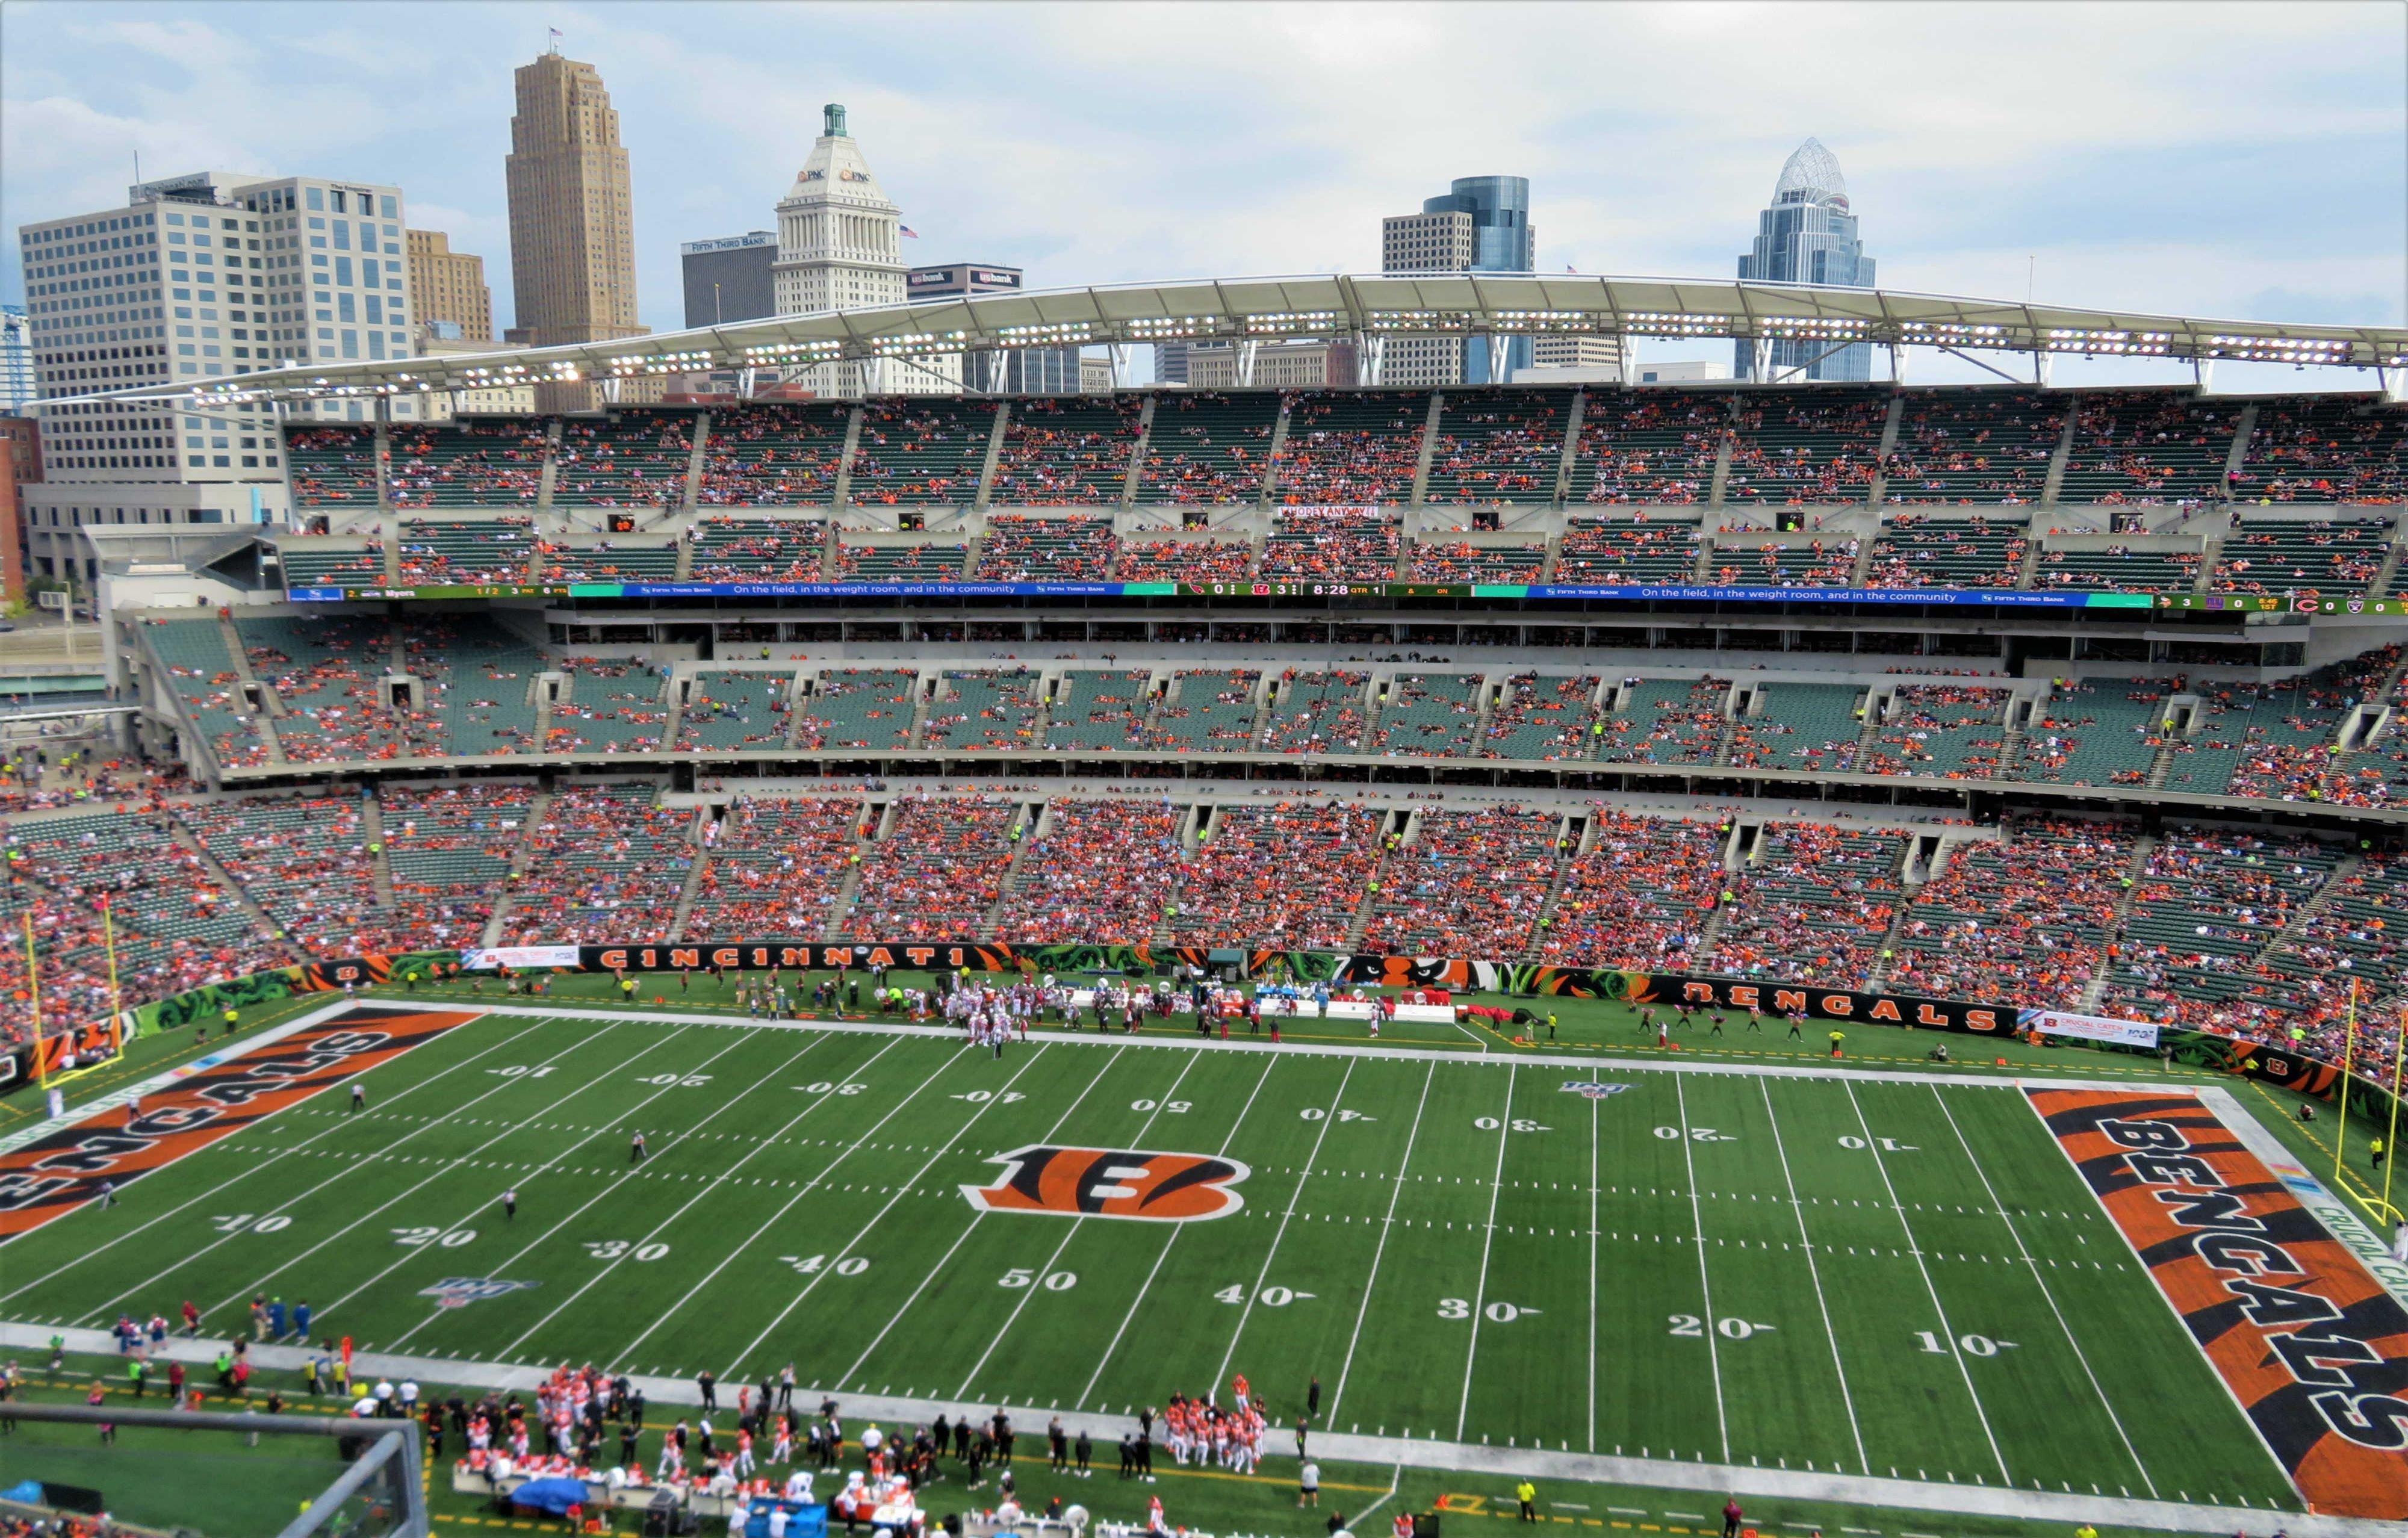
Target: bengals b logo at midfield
1113	1182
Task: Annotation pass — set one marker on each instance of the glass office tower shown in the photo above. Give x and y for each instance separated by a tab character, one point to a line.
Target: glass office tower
1808	236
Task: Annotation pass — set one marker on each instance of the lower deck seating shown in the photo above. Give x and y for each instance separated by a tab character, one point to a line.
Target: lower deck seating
1814	903
603	864
2024	919
1640	897
775	869
1469	881
938	871
1104	872
448	851
1290	875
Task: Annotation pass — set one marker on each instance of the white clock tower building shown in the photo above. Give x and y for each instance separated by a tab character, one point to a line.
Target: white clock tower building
840	247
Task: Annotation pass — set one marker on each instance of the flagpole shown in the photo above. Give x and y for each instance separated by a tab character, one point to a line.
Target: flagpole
33	986
2348	1054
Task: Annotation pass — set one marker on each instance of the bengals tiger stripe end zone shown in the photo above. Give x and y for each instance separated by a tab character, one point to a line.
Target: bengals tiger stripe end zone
57	1172
2312	1347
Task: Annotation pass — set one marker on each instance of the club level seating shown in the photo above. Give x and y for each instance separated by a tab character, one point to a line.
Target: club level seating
1209	713
1468	879
1104	870
331	563
984	711
2280	557
1018	549
1640	897
477	680
2294	752
328	671
922	451
1961	446
857	708
1099	709
1944	731
616	560
777	868
1664	721
1207	448
2118	569
758	550
1317	712
900	563
1798	725
772	455
201	672
2326	449
449	852
1627	552
729	709
1813	903
1916	550
1184	561
2095	732
613	705
1065	452
1541	717
1333	545
2148	447
332	466
605	862
446	552
1438	560
632	459
1291	875
1658	448
1349	447
2247	732
1809	445
938	871
1821	563
467	464
1498	446
1428	715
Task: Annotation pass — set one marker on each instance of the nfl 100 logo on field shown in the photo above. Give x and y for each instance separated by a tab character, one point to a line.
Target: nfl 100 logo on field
1113	1182
1592	1090
460	1291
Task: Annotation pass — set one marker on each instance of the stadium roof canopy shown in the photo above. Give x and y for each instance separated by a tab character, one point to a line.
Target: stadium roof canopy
1370	307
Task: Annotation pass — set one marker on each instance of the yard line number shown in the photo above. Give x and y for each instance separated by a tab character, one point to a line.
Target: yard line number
808	1265
1498	1312
1020	1277
1690	1326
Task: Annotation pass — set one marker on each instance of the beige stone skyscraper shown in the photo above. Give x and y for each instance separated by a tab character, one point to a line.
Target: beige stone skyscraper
572	214
450	285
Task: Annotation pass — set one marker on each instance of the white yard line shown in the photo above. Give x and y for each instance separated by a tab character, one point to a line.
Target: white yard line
735	1365
1487	1243
372	1161
1594	1105
239	1175
604	1194
1955	1353
1177	1229
1814	1272
1329	1119
1387	1223
1705	1286
2033	1266
1036	1281
410	1253
626	1353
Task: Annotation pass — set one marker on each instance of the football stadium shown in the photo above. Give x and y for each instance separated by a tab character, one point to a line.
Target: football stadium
1623	957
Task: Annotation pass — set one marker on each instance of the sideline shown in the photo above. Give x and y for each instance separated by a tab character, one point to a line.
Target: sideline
1383	1050
1397	1452
2327	1209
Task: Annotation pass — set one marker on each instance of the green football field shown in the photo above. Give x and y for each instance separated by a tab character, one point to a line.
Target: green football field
1731	1264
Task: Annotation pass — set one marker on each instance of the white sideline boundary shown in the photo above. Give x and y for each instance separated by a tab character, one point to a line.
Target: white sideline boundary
2344	1226
1707	1479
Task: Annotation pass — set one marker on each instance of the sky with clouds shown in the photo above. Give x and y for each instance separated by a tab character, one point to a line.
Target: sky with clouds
2237	160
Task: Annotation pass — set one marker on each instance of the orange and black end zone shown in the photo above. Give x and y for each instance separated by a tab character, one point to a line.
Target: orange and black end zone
2310	1342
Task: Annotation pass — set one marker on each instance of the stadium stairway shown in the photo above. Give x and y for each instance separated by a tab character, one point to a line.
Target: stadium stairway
537	811
379	869
1031	818
2135	870
189	841
269	706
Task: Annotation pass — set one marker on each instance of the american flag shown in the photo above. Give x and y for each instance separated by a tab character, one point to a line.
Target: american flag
909	233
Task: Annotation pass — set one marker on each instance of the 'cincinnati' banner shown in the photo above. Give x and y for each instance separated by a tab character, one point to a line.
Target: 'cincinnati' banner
2310	1344
52	1175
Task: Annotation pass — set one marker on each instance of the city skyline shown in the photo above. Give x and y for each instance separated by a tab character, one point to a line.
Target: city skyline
1280	125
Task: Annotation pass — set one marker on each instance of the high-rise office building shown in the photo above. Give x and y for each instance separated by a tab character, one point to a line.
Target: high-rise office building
450	285
840	247
15	360
1020	371
572	209
194	278
1808	236
728	280
1481	223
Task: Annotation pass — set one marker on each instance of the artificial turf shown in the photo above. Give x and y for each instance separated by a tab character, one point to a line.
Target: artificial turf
1454	1244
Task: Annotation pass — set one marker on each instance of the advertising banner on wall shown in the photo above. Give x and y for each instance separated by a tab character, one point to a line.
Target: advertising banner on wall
2091	1028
